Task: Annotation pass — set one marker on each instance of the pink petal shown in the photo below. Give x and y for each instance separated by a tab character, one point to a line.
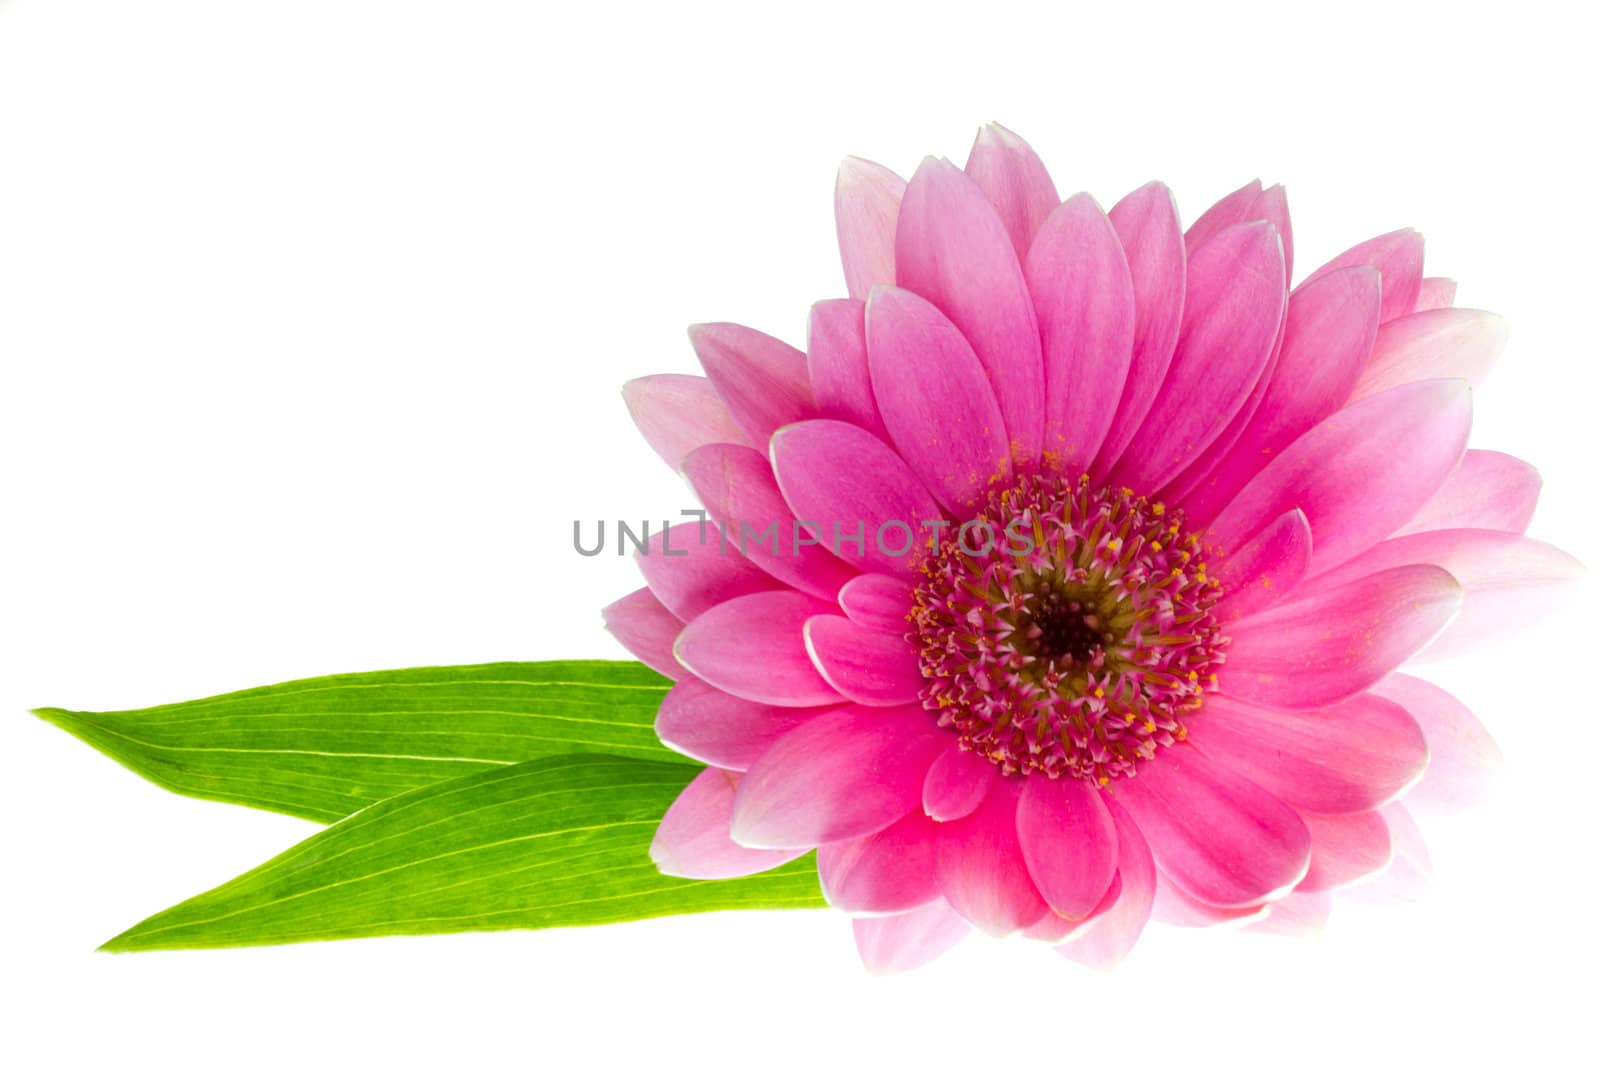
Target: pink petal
1446	343
1056	928
692	840
1229	211
1488	491
1174	907
1112	935
956	784
689	568
1273	206
867	666
1146	221
1262	570
1083	296
677	413
1352	756
754	648
899	943
1327	334
740	494
1014	179
883	873
1398	257
866	504
1503	577
1069	842
980	866
1322	646
952	248
764	382
1343	472
1296	915
1233	305
836	348
647	629
1248	203
878	601
1345	849
843	774
1463	760
1221	838
706	724
935	399
866	202
1435	293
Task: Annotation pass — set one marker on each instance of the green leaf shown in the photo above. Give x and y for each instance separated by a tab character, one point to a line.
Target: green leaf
323	748
557	842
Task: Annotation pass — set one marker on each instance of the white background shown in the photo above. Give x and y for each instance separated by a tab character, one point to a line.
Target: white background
314	315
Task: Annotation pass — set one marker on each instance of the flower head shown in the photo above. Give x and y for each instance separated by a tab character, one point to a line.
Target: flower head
1059	583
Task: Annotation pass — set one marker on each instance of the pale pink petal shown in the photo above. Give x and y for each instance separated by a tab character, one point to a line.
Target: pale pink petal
1229	211
1146	221
867	666
1104	942
1345	849
1328	331
952	248
956	784
677	413
898	943
1398	257
739	492
706	724
866	202
1352	756
1069	842
1014	179
1445	343
1056	928
690	568
1265	568
844	773
878	601
1319	647
1344	474
883	873
1174	907
935	398
1503	576
1083	296
1488	491
754	647
1463	760
1221	838
764	382
836	349
692	840
1435	293
863	501
1296	915
1410	868
980	866
1233	306
644	626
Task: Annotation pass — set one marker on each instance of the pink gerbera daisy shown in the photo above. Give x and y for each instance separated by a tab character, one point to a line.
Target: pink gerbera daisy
1059	582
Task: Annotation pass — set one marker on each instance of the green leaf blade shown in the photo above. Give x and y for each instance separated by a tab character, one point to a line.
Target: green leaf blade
561	841
322	748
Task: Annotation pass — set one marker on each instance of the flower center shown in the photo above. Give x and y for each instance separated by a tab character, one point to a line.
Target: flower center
1067	629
